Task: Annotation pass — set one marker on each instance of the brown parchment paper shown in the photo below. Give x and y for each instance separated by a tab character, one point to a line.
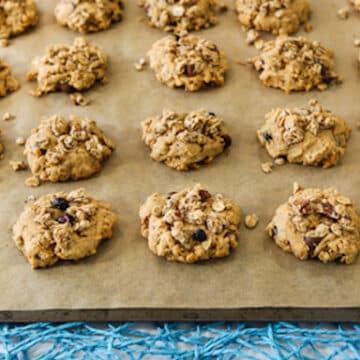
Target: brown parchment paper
124	279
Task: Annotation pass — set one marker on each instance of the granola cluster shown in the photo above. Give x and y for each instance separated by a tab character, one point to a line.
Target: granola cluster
317	223
68	68
16	16
296	64
62	226
8	83
276	16
87	16
180	16
184	141
308	136
187	61
61	149
190	225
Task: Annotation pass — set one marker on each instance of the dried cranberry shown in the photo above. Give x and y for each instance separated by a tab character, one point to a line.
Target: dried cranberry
60	203
312	242
199	235
204	195
190	70
65	218
267	136
227	140
65	88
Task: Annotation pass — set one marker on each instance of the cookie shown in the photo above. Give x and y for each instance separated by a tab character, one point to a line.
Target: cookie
187	61
185	141
8	83
307	136
61	149
62	226
180	16
317	223
68	68
190	225
296	64
16	16
87	16
276	16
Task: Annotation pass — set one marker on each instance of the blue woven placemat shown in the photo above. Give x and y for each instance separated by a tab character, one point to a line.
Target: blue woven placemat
45	341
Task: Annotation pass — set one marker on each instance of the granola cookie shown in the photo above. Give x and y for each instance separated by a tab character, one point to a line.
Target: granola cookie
185	141
308	136
181	15
68	68
190	225
87	16
296	64
62	226
276	16
16	16
187	61
355	3
61	149
8	83
317	223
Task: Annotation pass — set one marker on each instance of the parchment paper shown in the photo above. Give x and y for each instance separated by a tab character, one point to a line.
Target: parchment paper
124	279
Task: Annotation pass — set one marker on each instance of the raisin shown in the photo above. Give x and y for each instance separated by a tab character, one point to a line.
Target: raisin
227	140
65	88
212	113
190	70
43	151
312	242
326	75
60	203
65	218
204	195
267	136
199	235
274	231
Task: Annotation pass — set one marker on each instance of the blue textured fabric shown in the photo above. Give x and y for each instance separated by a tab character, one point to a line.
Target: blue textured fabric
276	341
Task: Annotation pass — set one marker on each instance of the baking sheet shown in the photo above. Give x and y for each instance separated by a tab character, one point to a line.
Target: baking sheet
124	280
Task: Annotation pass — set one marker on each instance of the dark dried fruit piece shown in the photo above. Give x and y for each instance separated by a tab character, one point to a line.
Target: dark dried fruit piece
305	207
199	235
66	218
212	113
190	70
204	195
329	211
312	242
60	203
327	75
65	88
227	140
267	136
274	231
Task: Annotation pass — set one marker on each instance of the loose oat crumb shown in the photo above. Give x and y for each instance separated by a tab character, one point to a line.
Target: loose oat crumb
8	117
251	36
140	64
20	140
79	99
279	161
267	167
308	27
251	221
4	42
32	181
17	165
30	198
296	187
356	42
343	13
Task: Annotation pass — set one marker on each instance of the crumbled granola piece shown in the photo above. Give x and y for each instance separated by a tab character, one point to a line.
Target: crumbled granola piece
356	42
251	221
267	167
308	27
33	181
8	117
20	140
343	13
279	161
140	64
79	99
18	165
251	36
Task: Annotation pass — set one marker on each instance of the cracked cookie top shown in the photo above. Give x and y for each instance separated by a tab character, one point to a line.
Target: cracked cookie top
87	16
187	61
317	223
8	83
296	64
190	225
68	68
180	16
62	226
16	16
67	149
276	16
308	136
184	141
